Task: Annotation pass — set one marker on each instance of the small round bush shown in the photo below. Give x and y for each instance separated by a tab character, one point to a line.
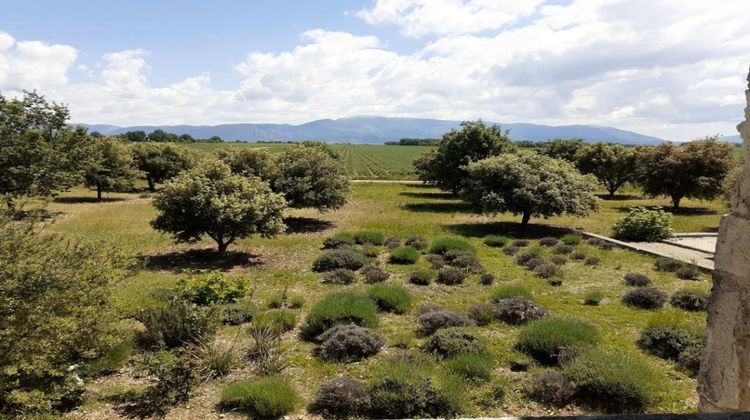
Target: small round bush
482	313
690	299
393	242
390	298
487	279
296	302
546	270
207	288
593	297
438	319
265	397
416	242
637	279
451	342
496	241
366	237
471	366
464	260
518	310
687	272
421	277
595	242
404	255
578	256
520	243
275	301
339	258
547	338
667	264
512	291
548	241
559	259
348	343
642	224
450	276
339	276
668	342
615	381
563	249
571	239
551	388
339	240
510	250
429	307
525	258
279	319
443	245
370	251
435	260
592	261
237	313
341	398
374	274
645	298
339	308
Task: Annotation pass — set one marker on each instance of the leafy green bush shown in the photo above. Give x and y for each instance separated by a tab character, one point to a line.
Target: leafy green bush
450	276
690	299
339	308
374	274
177	324
667	264
281	320
511	291
421	277
482	313
645	298
348	343
366	237
437	319
390	298
471	366
451	342
517	311
546	339
615	381
265	397
113	359
206	288
551	388
642	224
443	245
339	258
496	241
237	313
571	239
593	297
173	380
371	251
637	279
339	276
296	302
339	240
341	398
416	242
670	336
404	255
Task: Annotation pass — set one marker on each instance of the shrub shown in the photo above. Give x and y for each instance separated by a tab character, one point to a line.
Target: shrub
339	258
237	313
578	256
339	240
341	398
571	239
421	277
551	388
690	299
512	291
520	243
690	358
637	279
114	358
555	282
428	307
296	302
339	308
265	397
177	324
559	259
667	264
279	319
339	276
592	261
593	297
487	279
416	242
435	260
525	258
369	237
510	250
374	274
207	288
687	272
266	353
642	224
370	251
390	298
496	241
546	270
518	310
563	249
464	260
615	381
348	343
217	358
669	342
443	245
548	241
471	366
276	301
393	242
595	242
482	313
645	298
450	342
404	255
437	319
450	276
547	338
173	380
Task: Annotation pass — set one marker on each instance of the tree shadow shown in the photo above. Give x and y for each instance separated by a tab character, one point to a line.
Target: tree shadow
199	259
306	225
682	211
618	197
429	195
86	200
515	230
448	207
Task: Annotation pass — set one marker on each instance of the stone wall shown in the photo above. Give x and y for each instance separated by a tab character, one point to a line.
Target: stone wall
724	381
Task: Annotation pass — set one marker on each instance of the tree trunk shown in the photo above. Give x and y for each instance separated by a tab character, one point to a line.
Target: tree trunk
222	247
525	219
612	192
676	202
98	191
11	204
151	184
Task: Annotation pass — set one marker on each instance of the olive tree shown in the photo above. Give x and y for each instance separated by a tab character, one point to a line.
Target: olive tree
612	164
530	185
309	176
210	200
564	149
696	169
109	166
160	162
249	162
445	166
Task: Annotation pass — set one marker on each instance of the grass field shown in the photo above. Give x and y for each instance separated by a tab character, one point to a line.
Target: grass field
272	264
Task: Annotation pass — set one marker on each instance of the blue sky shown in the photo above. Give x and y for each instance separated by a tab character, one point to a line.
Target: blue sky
676	72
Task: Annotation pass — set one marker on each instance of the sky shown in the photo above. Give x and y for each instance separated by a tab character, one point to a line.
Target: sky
671	69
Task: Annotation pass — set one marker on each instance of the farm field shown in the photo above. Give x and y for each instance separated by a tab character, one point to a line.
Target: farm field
273	265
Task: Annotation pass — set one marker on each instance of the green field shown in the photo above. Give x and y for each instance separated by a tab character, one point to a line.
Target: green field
363	161
272	264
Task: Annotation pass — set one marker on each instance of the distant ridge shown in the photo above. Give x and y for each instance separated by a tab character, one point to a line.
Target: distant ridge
377	130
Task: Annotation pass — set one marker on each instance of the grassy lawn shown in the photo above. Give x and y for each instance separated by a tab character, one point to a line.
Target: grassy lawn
396	210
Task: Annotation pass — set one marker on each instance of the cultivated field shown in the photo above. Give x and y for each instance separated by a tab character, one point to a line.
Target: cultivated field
273	264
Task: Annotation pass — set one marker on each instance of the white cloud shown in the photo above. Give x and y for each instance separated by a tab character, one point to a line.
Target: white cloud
33	64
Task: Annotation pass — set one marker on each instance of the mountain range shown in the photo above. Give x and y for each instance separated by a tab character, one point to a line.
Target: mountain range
379	130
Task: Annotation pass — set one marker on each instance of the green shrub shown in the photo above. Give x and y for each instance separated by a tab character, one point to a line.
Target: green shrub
237	313
217	358
482	313
687	272
463	260
571	239
645	298
173	380
551	388
667	264
296	302
443	245
404	255
280	320
421	277
546	270
269	397
578	256
517	311
366	237
520	243
348	343
339	308
614	381
276	301
548	241
511	291
563	249
339	240
416	242
374	274
341	398
371	251
592	261
471	366
487	279
559	259
211	287
496	241
593	297
393	242
113	359
177	324
451	342
390	298
546	339
266	352
339	276
450	276
437	319
510	250
339	258
637	279
642	224
690	299
669	335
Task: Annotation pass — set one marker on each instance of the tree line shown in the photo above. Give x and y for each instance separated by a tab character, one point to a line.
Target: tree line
161	136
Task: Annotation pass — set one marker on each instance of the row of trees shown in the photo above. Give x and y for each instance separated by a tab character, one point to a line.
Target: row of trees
161	136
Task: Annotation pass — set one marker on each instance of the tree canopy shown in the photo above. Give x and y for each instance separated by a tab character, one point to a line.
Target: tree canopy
308	175
612	164
160	162
249	162
564	149
529	184
109	166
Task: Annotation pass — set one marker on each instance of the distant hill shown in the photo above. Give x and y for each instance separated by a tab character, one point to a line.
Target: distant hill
732	139
379	130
